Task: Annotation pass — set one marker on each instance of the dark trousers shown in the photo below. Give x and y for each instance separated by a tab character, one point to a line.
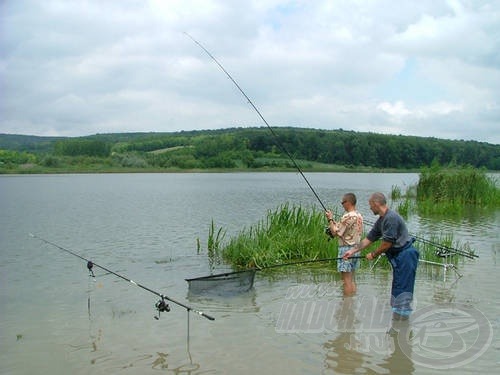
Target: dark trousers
404	267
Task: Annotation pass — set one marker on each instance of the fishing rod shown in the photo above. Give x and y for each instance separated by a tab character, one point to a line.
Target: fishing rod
161	305
443	250
283	148
308	261
278	142
254	269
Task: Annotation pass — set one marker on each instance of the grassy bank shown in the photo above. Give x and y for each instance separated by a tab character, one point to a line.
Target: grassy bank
65	165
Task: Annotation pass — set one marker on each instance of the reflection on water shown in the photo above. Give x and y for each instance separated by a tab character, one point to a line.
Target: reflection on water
398	361
361	347
343	355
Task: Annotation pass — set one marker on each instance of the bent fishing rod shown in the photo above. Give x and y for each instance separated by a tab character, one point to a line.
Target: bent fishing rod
278	142
161	305
284	150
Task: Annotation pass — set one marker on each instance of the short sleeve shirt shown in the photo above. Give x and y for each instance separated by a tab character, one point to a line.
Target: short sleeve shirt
350	228
391	228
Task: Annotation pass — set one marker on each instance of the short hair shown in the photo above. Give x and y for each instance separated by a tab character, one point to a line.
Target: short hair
378	198
351	197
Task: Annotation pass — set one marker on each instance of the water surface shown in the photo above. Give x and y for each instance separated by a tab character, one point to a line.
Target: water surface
147	226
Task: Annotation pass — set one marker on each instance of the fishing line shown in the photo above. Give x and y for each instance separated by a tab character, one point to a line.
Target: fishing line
161	305
283	149
278	142
442	250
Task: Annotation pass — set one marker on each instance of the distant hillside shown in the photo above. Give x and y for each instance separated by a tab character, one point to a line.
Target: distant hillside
27	143
253	148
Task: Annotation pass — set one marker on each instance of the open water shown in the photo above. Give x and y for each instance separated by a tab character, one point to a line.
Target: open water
56	319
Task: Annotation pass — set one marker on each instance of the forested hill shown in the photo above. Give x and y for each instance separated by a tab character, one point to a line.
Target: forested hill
252	148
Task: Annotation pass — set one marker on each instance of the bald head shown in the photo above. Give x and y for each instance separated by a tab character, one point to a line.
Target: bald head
378	198
378	203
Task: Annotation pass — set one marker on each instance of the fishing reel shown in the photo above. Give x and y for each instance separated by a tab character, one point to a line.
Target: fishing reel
161	306
329	233
443	253
89	267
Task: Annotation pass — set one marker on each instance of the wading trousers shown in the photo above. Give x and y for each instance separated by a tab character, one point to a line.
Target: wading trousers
404	267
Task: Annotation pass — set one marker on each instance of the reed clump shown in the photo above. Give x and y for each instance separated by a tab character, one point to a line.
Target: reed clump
452	189
293	233
286	234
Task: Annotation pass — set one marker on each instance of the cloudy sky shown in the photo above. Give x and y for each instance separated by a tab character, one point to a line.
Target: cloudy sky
427	67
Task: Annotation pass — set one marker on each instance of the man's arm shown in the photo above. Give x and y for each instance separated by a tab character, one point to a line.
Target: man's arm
353	250
384	246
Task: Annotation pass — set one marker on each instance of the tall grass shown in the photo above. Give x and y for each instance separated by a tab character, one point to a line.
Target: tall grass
448	190
286	234
293	233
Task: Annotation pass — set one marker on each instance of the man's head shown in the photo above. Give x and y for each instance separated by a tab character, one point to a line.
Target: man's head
349	201
378	203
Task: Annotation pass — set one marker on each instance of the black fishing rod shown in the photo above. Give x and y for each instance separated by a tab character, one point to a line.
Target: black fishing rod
278	142
161	305
307	261
443	250
283	149
254	269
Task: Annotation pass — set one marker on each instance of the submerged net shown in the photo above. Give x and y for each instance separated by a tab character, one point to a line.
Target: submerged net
239	281
223	283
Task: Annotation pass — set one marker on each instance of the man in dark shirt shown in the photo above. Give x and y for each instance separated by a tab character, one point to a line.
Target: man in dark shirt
398	247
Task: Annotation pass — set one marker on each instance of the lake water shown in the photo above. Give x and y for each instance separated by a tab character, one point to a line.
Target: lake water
55	319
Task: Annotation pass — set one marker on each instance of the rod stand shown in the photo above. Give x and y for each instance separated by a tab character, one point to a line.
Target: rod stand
446	255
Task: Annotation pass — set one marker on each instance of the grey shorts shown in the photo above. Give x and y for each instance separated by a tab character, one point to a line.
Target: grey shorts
346	265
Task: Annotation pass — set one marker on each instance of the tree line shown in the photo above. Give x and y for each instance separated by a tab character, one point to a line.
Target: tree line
324	146
258	148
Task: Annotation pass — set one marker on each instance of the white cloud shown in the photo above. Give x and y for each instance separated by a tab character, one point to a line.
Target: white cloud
84	67
397	109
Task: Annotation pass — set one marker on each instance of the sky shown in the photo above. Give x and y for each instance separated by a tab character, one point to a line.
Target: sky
427	68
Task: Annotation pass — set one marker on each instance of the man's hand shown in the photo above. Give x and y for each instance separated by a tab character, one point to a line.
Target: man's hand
349	253
329	215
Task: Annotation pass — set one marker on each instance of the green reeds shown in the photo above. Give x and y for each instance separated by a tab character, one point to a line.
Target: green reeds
396	192
293	233
214	244
450	190
286	234
215	237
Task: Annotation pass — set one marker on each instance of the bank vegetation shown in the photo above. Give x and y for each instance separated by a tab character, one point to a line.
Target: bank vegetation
239	149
